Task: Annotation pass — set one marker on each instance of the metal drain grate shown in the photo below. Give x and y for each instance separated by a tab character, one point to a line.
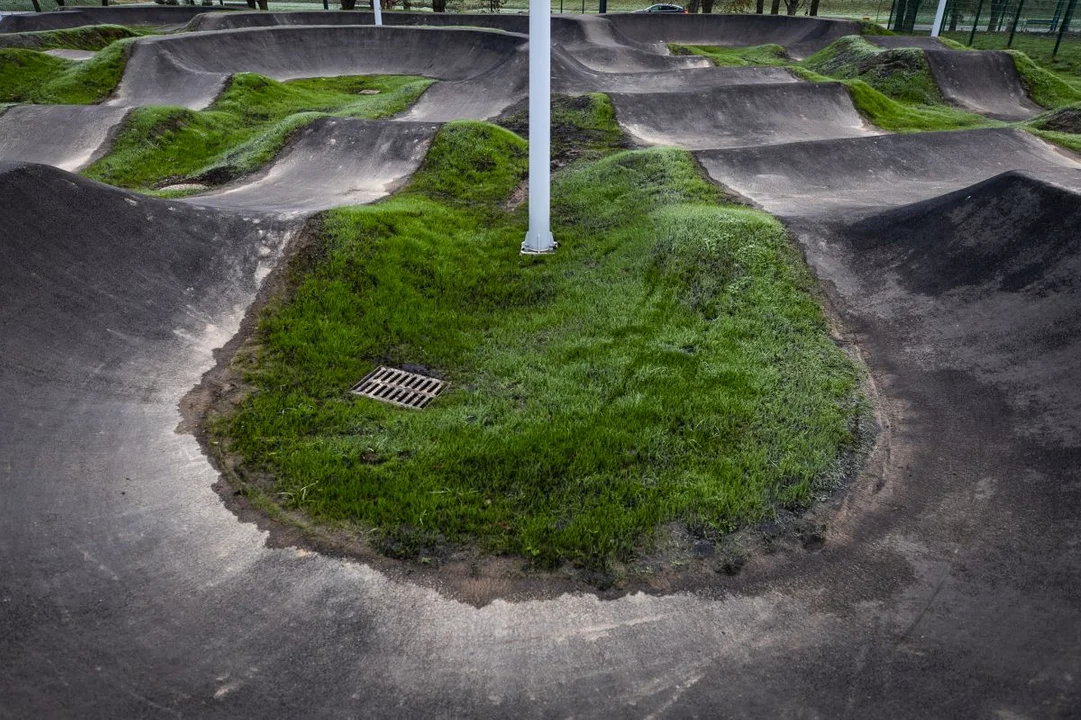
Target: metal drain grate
399	387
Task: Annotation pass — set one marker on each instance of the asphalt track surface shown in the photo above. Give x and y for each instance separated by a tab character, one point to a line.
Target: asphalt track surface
983	81
949	581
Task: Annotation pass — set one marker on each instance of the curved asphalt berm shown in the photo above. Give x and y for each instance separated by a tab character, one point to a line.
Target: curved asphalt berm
742	115
190	69
947	586
827	176
69	137
333	162
159	15
983	81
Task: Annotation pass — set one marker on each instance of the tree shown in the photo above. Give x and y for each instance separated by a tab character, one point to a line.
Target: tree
707	6
775	7
439	6
792	6
904	16
760	5
813	12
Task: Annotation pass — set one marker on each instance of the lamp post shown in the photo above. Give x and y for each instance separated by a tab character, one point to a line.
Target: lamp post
539	238
940	14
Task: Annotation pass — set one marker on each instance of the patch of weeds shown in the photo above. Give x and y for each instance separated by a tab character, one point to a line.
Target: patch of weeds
243	130
668	364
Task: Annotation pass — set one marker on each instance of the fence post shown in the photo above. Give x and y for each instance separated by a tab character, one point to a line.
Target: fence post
1016	19
940	15
1063	27
975	23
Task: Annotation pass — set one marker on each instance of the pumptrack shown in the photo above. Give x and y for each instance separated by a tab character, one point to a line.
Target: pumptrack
948	582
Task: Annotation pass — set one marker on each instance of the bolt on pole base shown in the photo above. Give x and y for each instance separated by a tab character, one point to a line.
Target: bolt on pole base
539	244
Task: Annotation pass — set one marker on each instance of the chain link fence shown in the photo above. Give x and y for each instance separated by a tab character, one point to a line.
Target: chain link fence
1048	30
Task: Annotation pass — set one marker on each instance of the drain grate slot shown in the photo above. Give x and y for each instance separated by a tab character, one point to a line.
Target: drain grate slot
399	387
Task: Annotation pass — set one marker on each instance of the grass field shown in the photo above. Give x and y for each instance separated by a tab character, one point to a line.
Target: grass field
669	364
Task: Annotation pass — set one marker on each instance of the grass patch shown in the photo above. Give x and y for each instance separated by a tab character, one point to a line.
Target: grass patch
901	74
1045	88
30	76
583	126
756	56
1062	126
668	364
93	37
1070	141
245	127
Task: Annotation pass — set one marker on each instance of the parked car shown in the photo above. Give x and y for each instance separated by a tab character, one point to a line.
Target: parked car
663	8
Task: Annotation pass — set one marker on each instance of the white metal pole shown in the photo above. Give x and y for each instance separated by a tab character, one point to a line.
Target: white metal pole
539	238
378	7
937	26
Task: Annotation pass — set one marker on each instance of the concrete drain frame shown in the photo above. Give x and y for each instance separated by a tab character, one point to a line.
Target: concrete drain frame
399	387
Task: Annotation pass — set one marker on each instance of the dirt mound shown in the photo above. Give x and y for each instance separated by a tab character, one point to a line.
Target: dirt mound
1012	232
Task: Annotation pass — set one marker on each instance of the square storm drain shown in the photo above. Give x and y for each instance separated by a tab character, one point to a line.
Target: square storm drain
399	387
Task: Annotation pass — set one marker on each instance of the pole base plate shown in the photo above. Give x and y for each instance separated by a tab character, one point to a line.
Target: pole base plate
542	245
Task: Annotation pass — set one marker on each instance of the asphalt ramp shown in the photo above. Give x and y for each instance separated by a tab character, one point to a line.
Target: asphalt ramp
190	69
830	176
93	278
69	137
800	36
983	81
741	115
332	162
